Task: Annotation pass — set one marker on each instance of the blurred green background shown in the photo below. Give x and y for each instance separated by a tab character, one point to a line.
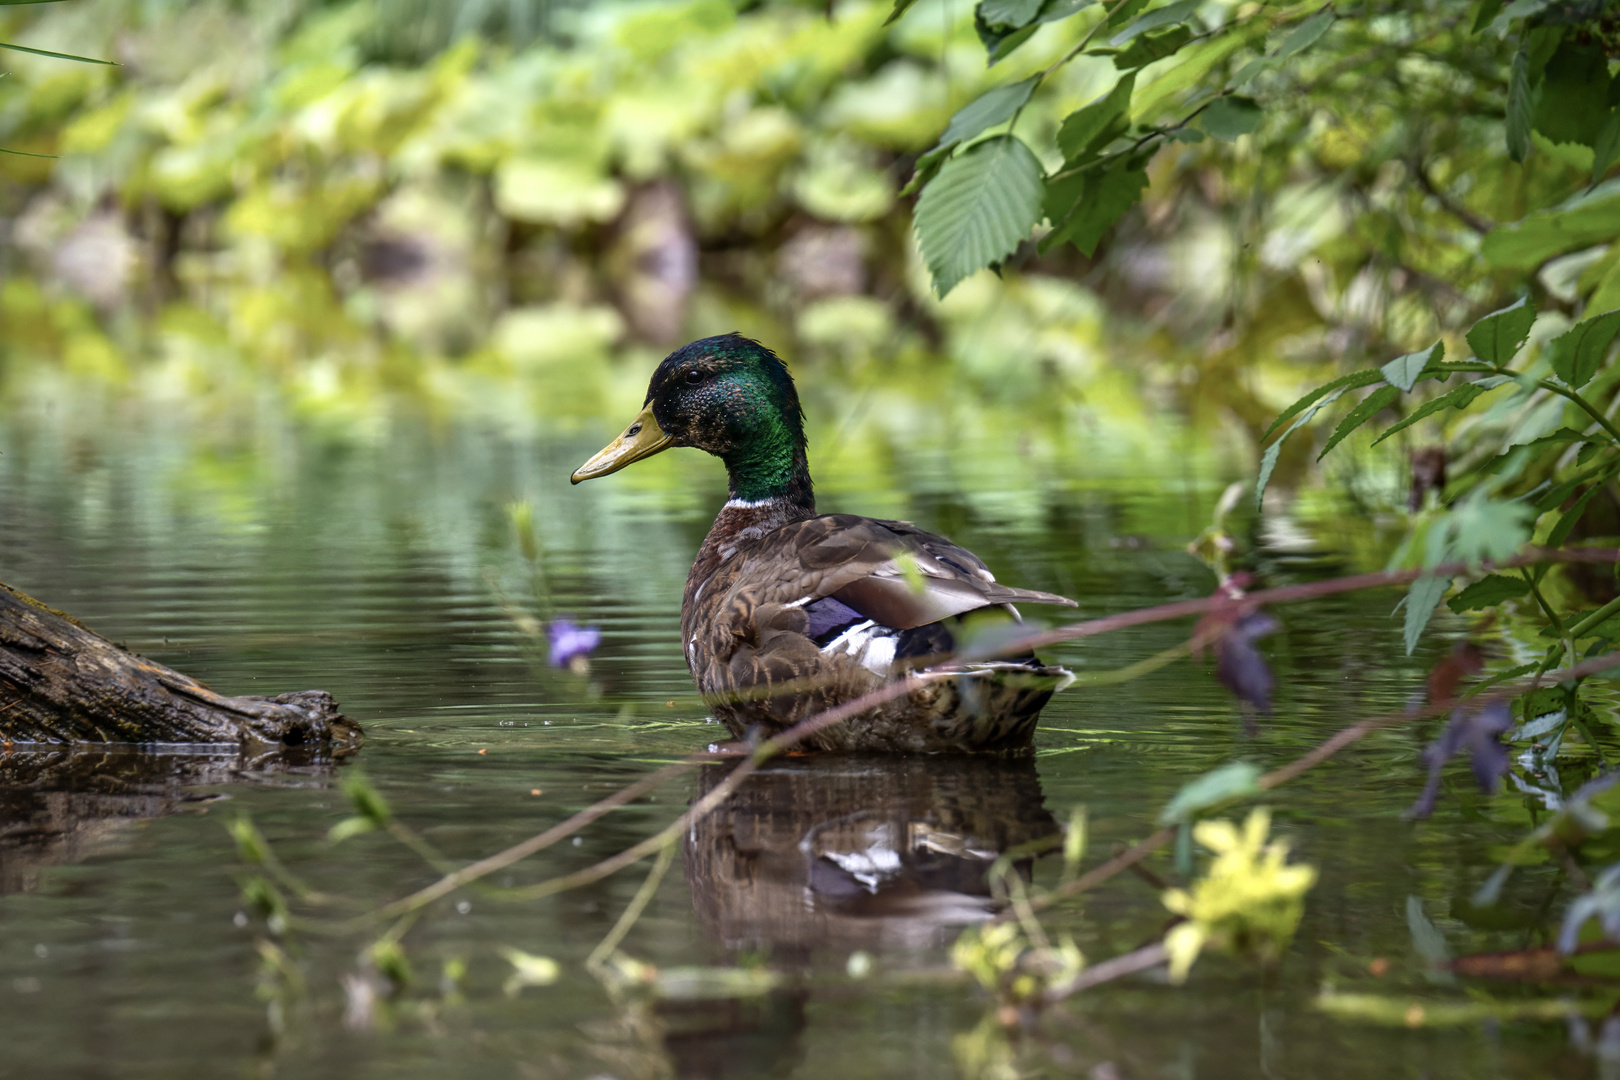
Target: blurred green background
508	210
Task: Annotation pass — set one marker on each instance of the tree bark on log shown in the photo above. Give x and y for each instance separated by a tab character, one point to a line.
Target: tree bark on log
60	682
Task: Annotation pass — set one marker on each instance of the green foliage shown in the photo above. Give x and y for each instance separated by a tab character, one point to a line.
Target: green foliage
1230	782
1488	591
1498	336
978	209
1578	353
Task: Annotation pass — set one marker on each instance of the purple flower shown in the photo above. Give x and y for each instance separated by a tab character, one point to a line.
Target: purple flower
570	644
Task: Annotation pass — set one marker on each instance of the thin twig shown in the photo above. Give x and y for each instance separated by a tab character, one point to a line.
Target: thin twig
900	687
1305	762
638	903
1129	964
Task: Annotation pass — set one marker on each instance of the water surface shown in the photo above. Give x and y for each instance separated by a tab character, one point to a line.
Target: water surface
261	551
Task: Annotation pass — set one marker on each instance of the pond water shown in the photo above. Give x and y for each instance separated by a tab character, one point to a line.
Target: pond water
261	551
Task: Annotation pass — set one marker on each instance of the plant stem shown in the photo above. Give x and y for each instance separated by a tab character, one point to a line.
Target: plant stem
1590	409
638	903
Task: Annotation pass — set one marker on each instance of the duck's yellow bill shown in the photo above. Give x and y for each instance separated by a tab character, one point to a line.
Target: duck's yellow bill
643	438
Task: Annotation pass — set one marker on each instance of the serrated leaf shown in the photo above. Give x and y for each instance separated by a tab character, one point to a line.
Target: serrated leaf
1081	128
1268	459
1484	528
1498	336
1177	12
1452	399
1421	600
1104	200
1608	141
56	55
1578	352
1009	14
1488	591
1228	117
1344	382
1237	780
984	201
1568	520
1521	105
1553	438
1305	34
1152	46
1195	62
993	107
900	8
1404	371
1368	407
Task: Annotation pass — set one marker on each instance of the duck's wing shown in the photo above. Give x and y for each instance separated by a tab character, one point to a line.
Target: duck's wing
894	573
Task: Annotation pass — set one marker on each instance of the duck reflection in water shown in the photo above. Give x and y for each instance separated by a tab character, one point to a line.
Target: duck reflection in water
857	852
834	854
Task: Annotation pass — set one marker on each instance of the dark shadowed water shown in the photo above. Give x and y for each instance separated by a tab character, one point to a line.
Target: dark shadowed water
264	553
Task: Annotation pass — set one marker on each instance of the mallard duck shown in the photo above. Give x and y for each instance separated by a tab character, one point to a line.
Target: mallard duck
788	612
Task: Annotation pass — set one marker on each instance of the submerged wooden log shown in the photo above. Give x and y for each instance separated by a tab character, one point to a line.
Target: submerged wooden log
61	682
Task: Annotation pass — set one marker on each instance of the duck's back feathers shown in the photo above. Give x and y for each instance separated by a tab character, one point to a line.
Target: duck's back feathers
783	622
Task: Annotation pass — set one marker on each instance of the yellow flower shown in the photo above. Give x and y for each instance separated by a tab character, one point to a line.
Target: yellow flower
1250	899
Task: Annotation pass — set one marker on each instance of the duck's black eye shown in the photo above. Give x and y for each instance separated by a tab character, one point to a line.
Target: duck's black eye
694	376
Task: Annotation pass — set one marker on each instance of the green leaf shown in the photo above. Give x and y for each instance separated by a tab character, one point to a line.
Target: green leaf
1082	128
1486	528
1237	780
1520	105
999	43
900	8
1574	100
986	111
1228	117
1552	438
56	55
1152	46
1103	201
1346	382
1498	336
1125	12
1177	12
1578	352
1590	218
1366	410
1488	591
1009	14
984	201
1404	371
1305	34
1191	65
990	108
1452	399
1608	141
1421	600
1568	520
1054	10
1268	459
1484	14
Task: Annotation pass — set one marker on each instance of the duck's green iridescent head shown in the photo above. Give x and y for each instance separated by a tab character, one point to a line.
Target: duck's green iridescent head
733	397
